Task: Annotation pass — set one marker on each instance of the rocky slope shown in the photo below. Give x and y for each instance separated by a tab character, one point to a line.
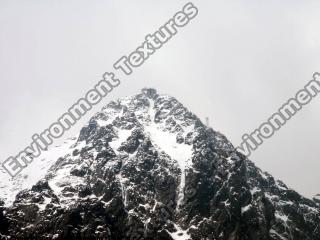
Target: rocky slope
147	168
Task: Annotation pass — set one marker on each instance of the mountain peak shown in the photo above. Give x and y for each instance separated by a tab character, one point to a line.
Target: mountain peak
150	92
146	167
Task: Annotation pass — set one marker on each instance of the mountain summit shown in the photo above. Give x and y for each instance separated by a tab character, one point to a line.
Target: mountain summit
147	168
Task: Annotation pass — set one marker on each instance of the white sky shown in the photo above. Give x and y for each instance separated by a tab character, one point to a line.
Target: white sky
236	63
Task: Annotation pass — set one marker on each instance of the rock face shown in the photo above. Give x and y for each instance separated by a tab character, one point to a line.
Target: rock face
147	168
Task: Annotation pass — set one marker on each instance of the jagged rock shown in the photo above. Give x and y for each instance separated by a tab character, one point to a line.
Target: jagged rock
317	199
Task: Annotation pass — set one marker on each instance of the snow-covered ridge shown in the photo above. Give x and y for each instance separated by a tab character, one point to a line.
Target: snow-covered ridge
10	187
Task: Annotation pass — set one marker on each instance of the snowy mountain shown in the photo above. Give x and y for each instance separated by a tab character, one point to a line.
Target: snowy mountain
147	168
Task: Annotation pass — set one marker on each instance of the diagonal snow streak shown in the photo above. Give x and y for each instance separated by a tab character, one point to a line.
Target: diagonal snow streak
167	142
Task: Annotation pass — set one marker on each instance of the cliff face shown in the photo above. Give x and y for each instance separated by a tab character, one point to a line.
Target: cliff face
147	168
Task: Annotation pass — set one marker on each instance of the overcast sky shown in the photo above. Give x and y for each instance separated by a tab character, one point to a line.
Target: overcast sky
237	62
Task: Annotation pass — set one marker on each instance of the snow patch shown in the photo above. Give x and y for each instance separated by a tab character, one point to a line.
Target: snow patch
122	137
180	234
